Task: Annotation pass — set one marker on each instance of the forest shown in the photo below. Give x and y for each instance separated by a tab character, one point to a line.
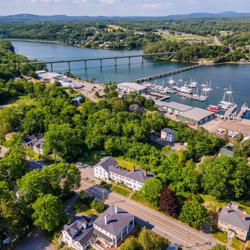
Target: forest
130	33
74	132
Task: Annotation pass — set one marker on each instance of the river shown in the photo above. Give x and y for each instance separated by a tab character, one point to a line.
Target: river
221	77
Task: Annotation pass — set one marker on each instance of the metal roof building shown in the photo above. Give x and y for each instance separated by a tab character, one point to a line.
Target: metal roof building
132	87
197	115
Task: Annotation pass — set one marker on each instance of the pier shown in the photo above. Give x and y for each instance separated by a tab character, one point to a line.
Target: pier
243	110
229	113
101	59
168	73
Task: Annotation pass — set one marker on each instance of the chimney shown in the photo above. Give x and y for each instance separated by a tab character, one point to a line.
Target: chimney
116	209
146	173
84	225
244	215
106	219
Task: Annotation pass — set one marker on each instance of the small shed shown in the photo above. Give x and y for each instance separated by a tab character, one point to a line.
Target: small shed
168	135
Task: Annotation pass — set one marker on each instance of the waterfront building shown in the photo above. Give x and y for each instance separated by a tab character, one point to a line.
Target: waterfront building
78	234
129	87
112	228
234	221
108	169
168	134
186	113
197	116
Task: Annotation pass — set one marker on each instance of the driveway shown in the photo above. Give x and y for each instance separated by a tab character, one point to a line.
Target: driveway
36	240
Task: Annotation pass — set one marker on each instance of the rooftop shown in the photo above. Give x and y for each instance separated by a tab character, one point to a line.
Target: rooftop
174	105
132	85
79	229
196	114
114	220
234	216
168	130
138	174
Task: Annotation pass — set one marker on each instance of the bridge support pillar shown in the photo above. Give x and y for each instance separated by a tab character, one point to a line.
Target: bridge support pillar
69	66
115	62
101	63
142	60
129	61
51	67
85	65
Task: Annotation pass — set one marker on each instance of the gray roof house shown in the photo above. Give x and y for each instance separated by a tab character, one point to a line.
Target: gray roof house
168	135
234	221
109	169
78	233
112	227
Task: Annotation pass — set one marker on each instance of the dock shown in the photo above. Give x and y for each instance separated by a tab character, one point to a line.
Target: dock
243	110
228	114
168	73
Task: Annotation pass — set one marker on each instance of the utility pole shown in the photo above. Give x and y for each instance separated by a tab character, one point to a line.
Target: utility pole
187	239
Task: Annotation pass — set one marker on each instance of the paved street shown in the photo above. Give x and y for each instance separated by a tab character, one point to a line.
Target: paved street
172	229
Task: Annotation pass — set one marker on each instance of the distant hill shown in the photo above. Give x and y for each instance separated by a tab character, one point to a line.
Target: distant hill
228	14
40	18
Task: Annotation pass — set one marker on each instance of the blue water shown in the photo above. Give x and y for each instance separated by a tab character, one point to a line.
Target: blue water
238	76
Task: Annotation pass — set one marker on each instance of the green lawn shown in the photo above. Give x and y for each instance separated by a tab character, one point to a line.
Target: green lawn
212	203
139	198
23	101
128	164
186	37
222	237
235	243
121	190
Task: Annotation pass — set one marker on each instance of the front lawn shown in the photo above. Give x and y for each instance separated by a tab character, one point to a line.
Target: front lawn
212	203
121	190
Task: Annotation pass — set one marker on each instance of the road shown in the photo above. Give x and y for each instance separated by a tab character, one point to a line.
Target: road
170	228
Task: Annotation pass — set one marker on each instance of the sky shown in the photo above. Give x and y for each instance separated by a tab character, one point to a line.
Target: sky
120	7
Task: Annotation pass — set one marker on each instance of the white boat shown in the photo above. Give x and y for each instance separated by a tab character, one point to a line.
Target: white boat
207	88
227	102
193	84
172	81
186	89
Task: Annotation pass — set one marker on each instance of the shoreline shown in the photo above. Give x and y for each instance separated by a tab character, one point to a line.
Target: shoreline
78	46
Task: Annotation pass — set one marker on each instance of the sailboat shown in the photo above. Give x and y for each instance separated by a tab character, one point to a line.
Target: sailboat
208	88
227	101
193	84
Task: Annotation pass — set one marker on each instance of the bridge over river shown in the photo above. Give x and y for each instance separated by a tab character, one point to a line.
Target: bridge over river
101	59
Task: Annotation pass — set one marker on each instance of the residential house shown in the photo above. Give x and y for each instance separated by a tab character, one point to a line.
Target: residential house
35	142
111	228
168	134
108	169
234	221
78	233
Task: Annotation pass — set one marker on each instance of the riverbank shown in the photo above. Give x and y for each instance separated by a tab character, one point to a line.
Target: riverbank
32	41
206	62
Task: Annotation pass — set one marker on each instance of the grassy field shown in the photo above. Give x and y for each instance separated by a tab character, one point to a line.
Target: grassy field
128	164
213	204
178	38
113	27
235	243
22	101
121	190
